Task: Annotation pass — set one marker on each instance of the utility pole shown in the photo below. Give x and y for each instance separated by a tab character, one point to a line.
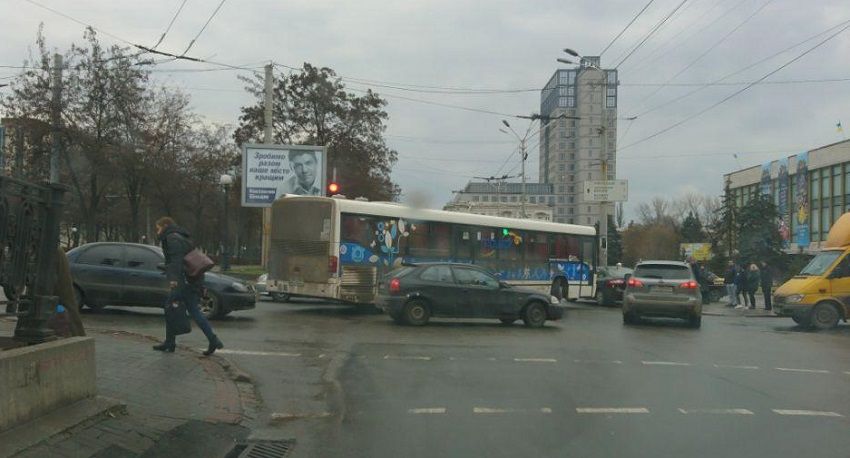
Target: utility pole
56	118
268	103
603	222
524	157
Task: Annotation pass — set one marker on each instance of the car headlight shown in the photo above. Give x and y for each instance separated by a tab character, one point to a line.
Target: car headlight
794	298
239	287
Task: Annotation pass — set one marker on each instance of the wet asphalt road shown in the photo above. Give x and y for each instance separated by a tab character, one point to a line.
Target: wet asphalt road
351	383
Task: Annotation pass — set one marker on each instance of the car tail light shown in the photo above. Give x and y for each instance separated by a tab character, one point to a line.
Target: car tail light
689	285
395	285
333	264
635	283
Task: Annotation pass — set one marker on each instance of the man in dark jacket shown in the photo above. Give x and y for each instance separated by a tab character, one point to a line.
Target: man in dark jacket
729	282
176	243
766	284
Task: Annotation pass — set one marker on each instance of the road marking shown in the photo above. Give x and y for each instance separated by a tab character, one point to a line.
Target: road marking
612	410
279	416
718	411
428	410
812	413
732	366
490	410
664	363
255	353
535	360
809	371
411	358
597	361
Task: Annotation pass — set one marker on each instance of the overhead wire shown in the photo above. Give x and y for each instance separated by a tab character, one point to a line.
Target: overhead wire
168	29
736	93
708	50
626	27
651	33
214	13
719	81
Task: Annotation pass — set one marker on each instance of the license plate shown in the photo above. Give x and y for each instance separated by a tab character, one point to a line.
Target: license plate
662	289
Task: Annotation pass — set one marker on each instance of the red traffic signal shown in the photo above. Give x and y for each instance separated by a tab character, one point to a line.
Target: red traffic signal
333	188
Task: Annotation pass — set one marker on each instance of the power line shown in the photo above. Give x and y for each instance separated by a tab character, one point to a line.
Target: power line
738	92
168	29
192	43
710	48
651	33
626	27
54	11
445	105
719	81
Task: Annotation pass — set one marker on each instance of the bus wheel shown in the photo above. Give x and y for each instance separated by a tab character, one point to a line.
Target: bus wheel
825	316
560	287
416	313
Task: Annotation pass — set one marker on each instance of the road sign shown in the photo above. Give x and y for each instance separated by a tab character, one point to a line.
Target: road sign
606	191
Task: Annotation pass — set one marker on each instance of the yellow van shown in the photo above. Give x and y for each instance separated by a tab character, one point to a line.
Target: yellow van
819	295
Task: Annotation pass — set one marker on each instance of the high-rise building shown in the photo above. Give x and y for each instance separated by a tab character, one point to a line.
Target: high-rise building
572	151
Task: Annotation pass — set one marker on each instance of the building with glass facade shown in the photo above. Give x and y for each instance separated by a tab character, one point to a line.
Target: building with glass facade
811	190
572	150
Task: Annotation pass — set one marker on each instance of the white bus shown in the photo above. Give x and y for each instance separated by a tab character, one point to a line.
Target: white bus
338	249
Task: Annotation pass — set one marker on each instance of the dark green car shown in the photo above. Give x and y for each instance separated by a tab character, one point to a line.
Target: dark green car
413	294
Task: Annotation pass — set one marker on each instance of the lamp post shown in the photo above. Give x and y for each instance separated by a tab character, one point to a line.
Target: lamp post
225	181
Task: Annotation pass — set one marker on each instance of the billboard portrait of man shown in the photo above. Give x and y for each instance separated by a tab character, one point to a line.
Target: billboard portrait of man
305	180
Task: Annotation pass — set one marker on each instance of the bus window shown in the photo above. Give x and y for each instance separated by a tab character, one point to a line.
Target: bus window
588	250
417	242
565	247
357	229
510	249
440	240
536	256
430	241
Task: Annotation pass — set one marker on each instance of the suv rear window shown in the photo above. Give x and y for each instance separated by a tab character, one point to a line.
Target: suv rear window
663	271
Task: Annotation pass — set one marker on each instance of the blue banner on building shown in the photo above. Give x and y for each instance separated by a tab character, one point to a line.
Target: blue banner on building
783	208
765	180
801	200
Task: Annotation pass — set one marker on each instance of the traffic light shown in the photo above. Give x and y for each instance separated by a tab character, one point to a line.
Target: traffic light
505	232
333	188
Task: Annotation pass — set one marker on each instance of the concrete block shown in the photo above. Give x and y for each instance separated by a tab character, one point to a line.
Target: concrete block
37	379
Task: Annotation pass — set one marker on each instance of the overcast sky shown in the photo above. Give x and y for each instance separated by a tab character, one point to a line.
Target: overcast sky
508	45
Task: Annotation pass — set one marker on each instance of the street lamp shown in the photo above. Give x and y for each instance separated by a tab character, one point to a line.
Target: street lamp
225	181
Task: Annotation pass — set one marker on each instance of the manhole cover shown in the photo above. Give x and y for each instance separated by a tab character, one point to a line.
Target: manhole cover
262	449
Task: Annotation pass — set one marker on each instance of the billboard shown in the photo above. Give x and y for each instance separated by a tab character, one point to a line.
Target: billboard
801	200
270	171
699	251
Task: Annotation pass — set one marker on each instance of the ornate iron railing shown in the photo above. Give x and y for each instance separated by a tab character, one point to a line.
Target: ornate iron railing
29	239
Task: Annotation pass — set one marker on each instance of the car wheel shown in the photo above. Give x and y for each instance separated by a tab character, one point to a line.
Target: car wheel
416	313
507	321
825	316
534	315
280	297
210	305
603	298
695	321
803	319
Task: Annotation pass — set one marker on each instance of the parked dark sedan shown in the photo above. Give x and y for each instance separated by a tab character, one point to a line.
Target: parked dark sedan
129	274
413	294
610	284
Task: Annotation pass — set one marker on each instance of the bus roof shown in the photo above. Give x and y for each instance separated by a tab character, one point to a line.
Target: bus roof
393	209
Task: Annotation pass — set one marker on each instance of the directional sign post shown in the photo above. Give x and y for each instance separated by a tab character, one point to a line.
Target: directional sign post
606	191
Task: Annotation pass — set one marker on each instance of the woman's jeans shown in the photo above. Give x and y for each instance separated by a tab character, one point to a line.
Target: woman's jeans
190	296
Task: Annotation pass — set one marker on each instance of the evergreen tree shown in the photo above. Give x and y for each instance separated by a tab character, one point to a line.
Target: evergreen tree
615	242
691	229
758	232
725	230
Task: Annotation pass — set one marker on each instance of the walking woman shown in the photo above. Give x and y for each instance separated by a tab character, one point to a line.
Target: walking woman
753	283
176	243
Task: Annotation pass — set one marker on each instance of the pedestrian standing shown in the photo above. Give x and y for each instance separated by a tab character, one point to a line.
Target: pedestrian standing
766	284
753	283
729	282
741	286
176	243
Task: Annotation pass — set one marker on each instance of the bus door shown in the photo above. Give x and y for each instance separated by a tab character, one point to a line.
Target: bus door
586	273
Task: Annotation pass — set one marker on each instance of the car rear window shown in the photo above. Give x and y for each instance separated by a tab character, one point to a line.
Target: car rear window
663	271
400	272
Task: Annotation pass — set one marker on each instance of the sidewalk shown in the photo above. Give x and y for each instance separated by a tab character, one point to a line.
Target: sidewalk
721	309
177	404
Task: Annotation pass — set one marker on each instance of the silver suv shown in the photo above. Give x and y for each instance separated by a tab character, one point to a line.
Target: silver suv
662	288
